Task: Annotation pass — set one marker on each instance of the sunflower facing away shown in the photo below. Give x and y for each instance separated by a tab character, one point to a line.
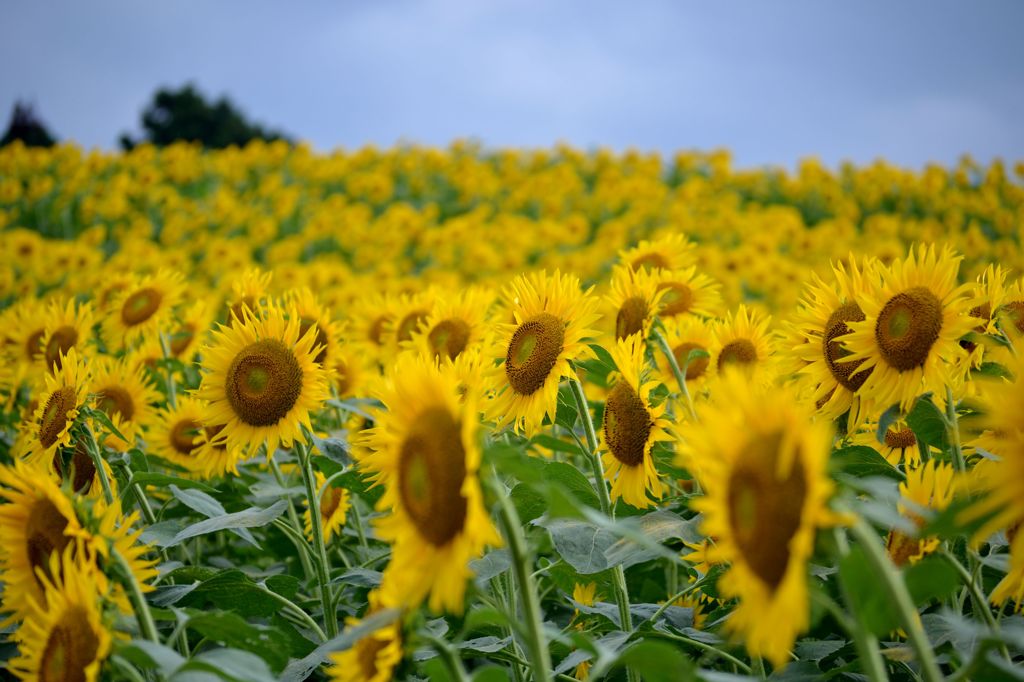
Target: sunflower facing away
261	380
59	403
762	463
552	323
334	506
374	657
633	302
909	339
142	309
631	428
425	452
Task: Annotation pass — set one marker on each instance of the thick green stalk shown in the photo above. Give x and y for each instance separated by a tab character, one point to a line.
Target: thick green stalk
97	459
676	370
323	566
146	624
953	431
307	567
866	642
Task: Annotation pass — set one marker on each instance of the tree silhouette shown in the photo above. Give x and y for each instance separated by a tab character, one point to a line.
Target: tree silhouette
26	126
184	114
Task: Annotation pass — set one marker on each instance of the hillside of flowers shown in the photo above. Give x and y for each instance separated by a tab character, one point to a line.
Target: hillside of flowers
473	414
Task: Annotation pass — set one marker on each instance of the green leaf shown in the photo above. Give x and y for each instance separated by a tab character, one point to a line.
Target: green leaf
104	419
657	526
486	645
199	501
931	578
992	369
248	518
148	655
871	605
490	673
885	421
551	443
231	630
657	661
581	544
144	478
928	423
334	448
862	461
495	562
301	669
596	370
230	664
229	590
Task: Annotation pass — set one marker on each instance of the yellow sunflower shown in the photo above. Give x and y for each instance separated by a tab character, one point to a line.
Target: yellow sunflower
78	470
684	335
1011	314
334	505
811	342
24	327
742	341
909	339
671	252
407	313
552	324
63	636
194	322
62	396
305	305
261	380
354	370
124	395
425	451
633	301
141	309
930	487
248	292
374	657
631	428
65	326
457	322
687	292
178	435
899	445
762	462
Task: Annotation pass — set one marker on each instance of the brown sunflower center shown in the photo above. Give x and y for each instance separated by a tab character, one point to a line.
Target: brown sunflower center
182	338
1016	311
320	340
844	372
184	436
650	261
71	647
900	439
343	376
82	468
34	344
116	401
330	501
238	308
901	548
44	532
449	337
533	352
367	650
678	299
55	415
211	437
264	382
377	329
738	352
410	323
61	341
431	469
908	327
630	318
140	306
697	366
627	425
765	507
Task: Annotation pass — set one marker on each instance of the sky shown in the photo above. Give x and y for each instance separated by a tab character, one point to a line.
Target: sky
911	81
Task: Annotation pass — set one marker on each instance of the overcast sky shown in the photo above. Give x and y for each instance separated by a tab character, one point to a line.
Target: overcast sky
773	81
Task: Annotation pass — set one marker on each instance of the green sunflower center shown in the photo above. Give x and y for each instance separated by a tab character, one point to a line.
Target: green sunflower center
738	352
263	382
140	306
61	341
908	327
431	470
410	323
70	648
844	372
449	337
697	367
55	415
533	352
678	299
320	340
116	402
44	532
900	439
627	425
630	318
765	507
184	436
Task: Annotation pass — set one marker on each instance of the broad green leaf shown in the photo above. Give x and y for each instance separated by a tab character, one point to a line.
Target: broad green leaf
230	664
199	501
928	423
872	605
299	670
249	518
144	478
931	578
334	448
862	461
657	661
231	630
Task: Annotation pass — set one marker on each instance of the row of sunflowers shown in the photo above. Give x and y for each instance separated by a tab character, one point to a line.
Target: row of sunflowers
470	414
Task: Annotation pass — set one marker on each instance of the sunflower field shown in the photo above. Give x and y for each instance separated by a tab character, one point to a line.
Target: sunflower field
484	414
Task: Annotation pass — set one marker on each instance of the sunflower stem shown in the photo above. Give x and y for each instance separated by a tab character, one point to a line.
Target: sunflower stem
678	595
97	459
451	661
307	567
323	566
146	623
953	431
292	608
540	657
172	392
865	641
980	602
715	651
892	583
676	370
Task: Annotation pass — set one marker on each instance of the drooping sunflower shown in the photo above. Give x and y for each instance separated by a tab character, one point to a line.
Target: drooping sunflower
930	487
124	395
178	435
687	292
742	342
456	323
631	427
812	348
65	326
261	380
374	657
424	451
909	339
553	320
684	335
63	636
60	400
334	506
671	252
633	301
142	308
762	462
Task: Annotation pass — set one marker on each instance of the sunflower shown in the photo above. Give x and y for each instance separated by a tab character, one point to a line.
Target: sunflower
1011	314
304	304
124	395
687	292
762	462
684	335
261	380
370	315
65	326
193	324
425	451
671	252
552	323
354	371
812	346
77	470
634	301
24	327
909	339
63	636
248	292
406	315
178	435
62	396
929	487
456	323
142	308
334	505
374	657
899	444
631	428
742	341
